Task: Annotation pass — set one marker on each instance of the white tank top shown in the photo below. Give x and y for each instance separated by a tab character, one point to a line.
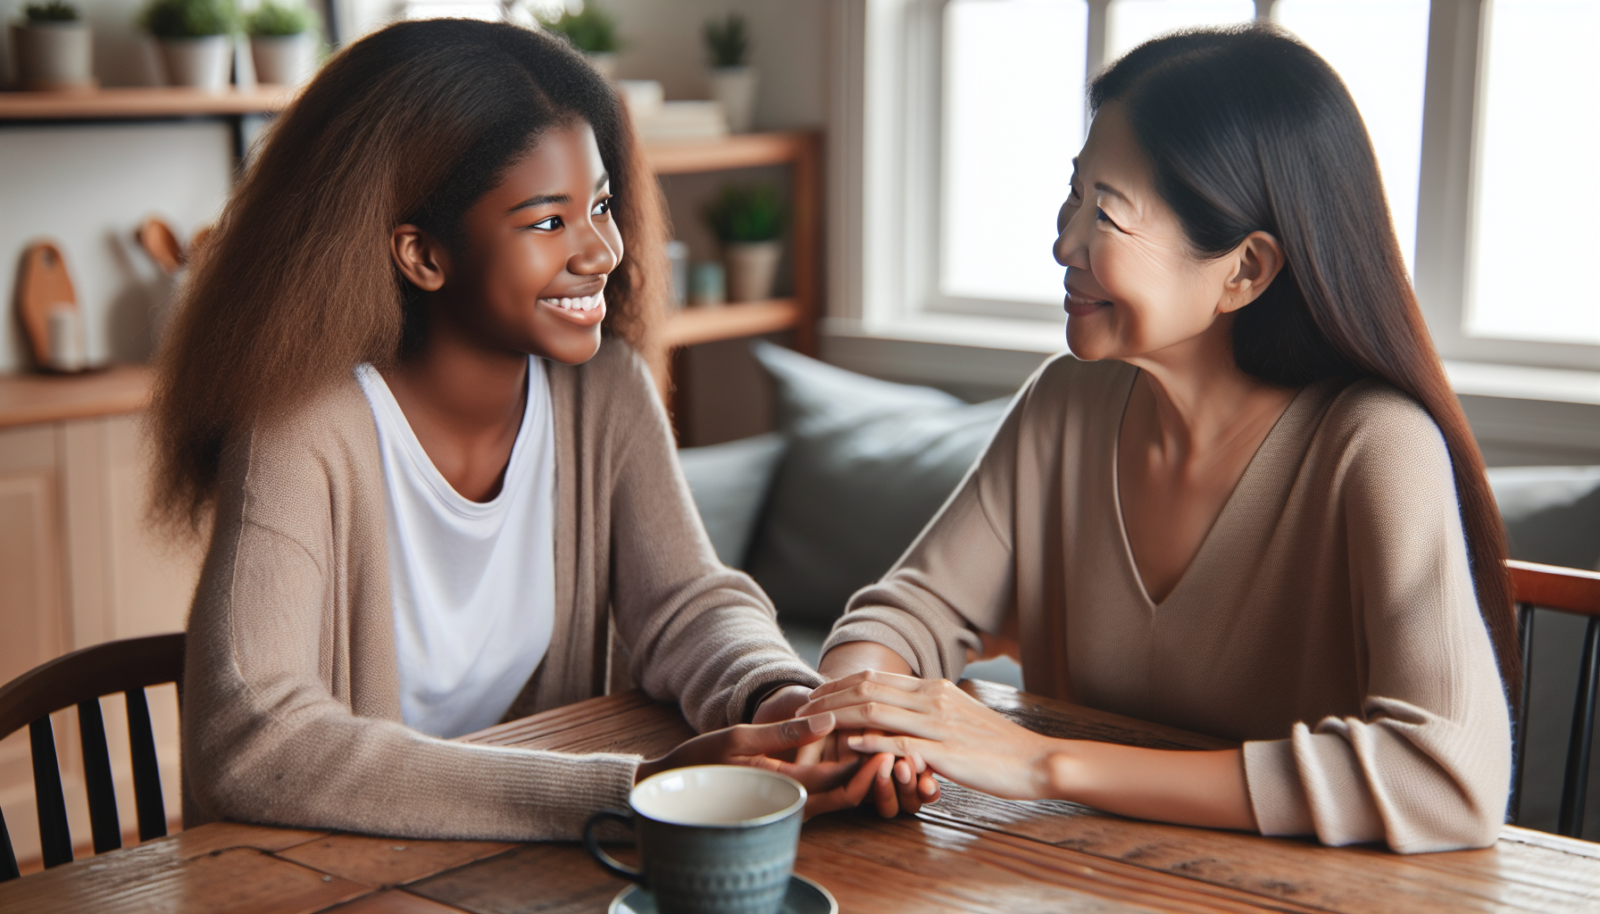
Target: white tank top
473	583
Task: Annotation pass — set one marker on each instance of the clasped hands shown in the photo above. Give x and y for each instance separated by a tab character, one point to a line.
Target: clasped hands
876	733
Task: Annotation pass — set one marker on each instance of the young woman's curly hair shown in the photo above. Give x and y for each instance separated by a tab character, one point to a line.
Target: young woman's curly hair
296	287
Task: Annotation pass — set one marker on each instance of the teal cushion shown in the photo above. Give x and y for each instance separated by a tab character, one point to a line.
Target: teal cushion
869	463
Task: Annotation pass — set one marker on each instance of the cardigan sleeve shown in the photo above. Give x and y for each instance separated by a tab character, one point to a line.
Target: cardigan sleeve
697	632
269	734
1426	766
956	579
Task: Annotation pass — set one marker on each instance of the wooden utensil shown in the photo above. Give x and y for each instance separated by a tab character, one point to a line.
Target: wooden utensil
161	243
44	287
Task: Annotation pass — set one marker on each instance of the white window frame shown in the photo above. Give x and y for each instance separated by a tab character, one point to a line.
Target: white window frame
884	237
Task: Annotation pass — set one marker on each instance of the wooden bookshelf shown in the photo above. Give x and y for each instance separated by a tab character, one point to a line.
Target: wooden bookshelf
802	152
693	326
141	102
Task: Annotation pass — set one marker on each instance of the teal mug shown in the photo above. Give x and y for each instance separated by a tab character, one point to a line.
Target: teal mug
713	839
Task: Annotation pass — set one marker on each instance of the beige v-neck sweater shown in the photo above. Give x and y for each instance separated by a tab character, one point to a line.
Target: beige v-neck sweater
291	709
1328	620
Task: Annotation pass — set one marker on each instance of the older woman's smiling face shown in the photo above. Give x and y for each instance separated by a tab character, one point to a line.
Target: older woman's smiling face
1135	287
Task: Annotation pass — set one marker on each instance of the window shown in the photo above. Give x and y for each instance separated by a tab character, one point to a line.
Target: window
1479	113
1537	188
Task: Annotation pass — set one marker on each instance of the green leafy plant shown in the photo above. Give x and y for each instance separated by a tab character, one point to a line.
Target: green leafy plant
275	19
743	213
593	31
189	18
53	11
726	41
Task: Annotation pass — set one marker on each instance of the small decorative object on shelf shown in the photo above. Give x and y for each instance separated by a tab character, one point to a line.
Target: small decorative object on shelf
748	219
54	48
733	80
195	39
678	256
283	43
593	31
707	285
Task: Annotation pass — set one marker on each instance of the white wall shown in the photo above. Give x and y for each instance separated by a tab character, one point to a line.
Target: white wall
87	188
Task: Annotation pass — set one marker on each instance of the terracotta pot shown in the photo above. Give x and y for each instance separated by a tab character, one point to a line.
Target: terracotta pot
198	63
752	269
284	60
734	88
53	56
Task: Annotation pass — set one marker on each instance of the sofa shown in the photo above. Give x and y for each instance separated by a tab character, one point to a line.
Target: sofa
826	504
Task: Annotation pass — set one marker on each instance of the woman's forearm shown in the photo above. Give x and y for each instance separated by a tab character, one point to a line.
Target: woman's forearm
1190	788
855	656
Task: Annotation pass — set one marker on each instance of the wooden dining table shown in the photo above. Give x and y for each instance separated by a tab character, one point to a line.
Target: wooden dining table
968	852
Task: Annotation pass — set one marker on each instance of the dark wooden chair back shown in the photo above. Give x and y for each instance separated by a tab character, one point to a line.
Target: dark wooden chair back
81	678
1567	590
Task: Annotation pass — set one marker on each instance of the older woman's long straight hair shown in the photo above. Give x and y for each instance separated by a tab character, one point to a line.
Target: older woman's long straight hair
296	287
1249	130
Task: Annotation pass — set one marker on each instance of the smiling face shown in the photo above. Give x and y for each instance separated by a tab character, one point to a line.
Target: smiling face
537	249
1135	288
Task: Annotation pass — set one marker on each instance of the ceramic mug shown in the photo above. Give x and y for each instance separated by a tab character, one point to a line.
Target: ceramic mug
713	839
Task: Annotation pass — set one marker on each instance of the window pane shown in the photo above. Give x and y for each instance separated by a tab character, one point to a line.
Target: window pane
1536	237
1130	23
1380	49
1013	120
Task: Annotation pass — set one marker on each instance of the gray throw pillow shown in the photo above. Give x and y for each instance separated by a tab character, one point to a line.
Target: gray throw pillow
1552	514
868	465
730	483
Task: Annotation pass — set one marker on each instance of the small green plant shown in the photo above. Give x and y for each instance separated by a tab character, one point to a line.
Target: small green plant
593	31
189	18
53	11
275	19
726	41
743	213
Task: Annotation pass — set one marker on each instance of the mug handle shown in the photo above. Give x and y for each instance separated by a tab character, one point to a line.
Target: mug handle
607	862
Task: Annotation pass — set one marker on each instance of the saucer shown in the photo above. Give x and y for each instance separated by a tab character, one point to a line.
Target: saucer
805	897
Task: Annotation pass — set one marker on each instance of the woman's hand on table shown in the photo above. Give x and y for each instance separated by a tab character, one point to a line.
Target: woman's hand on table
938	725
829	785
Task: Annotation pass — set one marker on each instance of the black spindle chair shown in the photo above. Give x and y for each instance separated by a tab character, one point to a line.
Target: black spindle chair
81	678
1567	590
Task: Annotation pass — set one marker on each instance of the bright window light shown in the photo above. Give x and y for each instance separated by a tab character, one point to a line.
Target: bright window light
1380	50
1013	120
1131	23
1535	234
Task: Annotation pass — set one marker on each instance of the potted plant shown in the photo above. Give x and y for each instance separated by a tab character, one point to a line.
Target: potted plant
748	219
52	45
196	40
733	80
282	43
592	31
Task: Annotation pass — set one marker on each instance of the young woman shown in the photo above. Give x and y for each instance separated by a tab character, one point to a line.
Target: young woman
442	487
1249	507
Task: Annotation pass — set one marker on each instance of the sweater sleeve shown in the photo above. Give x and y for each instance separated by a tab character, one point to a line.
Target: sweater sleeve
1427	764
269	734
697	632
956	579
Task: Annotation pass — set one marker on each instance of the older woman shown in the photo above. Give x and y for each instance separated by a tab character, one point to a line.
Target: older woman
1250	506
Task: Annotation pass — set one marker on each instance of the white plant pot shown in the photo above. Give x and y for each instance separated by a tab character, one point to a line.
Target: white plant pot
734	88
198	63
53	56
283	60
604	63
752	269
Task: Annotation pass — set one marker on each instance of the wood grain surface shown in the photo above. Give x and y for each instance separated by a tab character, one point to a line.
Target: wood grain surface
967	853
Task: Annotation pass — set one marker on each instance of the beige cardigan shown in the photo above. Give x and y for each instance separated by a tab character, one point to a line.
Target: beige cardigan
1333	590
291	704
